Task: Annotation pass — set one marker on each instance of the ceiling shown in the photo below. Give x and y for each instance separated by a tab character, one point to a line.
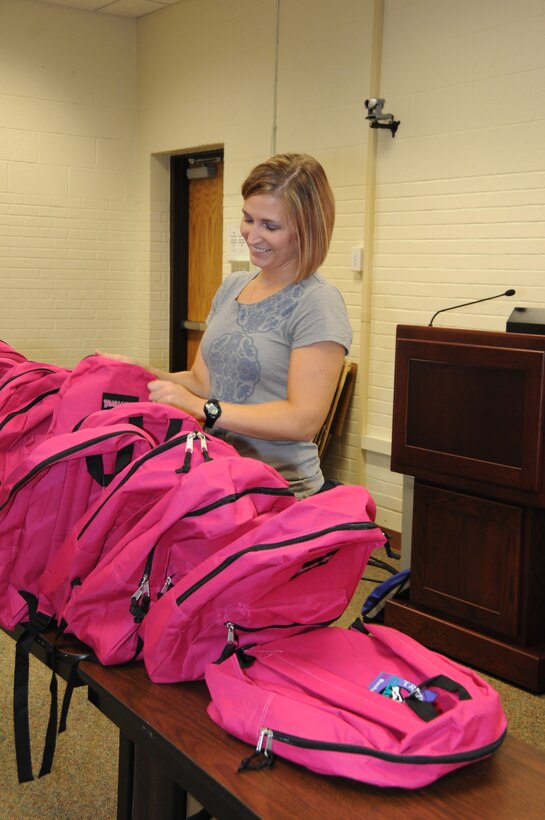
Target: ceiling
121	8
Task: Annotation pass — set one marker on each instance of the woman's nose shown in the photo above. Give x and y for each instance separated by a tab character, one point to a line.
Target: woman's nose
251	234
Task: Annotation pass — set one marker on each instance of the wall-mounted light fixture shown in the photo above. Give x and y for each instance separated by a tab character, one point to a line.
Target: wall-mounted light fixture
377	119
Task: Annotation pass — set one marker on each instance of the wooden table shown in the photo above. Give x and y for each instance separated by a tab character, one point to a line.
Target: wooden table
177	747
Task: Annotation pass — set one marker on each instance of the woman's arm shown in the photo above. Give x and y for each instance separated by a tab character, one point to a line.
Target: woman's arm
312	379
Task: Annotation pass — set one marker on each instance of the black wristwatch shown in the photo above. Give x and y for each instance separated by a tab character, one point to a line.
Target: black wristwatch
212	412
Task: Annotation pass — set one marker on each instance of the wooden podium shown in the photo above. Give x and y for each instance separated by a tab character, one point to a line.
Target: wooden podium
468	424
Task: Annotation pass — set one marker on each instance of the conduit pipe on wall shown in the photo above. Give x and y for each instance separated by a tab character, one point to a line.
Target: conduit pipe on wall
369	228
275	81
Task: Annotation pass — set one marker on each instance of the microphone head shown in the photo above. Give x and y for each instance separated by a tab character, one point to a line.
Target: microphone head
510	292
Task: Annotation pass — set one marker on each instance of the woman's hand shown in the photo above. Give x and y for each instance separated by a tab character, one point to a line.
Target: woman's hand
186	390
168	392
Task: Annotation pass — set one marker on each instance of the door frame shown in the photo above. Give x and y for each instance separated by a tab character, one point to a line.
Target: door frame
179	247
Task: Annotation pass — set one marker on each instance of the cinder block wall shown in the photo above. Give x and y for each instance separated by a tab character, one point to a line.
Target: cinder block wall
69	225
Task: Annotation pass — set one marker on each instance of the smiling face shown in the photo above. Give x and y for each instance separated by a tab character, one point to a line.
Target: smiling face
269	236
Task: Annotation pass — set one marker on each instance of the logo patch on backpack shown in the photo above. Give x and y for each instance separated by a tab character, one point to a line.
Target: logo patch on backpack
320	561
110	400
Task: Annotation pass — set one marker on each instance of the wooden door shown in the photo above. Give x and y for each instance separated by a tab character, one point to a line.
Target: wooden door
204	254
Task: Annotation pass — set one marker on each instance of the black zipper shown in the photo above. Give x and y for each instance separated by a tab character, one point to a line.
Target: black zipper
350	748
24	409
20	375
140	600
47	462
232	629
356	525
230	499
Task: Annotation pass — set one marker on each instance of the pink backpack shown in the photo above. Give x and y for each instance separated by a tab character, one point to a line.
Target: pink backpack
131	505
98	383
296	571
51	489
28	393
9	357
213	504
376	707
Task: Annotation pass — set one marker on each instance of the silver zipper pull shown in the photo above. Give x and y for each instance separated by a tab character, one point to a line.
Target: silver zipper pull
143	589
188	453
140	601
204	446
264	744
166	586
231	634
263	757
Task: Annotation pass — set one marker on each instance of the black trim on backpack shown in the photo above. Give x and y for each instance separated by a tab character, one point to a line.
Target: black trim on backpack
424	709
174	427
28	406
95	465
391	757
37	623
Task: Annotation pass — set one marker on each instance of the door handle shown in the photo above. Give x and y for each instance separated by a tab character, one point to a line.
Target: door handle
187	324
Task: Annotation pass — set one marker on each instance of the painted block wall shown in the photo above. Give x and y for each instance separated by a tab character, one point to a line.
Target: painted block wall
69	225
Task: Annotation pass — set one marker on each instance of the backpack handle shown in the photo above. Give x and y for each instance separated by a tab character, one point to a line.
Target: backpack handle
95	465
174	425
424	709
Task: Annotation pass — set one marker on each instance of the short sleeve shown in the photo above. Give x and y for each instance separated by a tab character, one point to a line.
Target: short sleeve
322	318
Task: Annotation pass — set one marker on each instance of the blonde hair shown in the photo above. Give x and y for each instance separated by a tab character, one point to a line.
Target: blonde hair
300	182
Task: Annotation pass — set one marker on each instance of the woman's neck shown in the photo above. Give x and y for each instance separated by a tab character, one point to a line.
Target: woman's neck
264	285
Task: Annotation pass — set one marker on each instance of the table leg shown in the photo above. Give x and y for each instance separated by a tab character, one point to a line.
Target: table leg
125	778
155	795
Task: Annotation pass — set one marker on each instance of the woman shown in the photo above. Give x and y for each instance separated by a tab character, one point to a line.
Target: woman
269	362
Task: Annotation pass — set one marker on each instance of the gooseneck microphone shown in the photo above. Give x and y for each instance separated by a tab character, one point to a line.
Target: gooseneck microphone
510	292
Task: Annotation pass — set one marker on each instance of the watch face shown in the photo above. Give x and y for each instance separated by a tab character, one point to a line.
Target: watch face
212	411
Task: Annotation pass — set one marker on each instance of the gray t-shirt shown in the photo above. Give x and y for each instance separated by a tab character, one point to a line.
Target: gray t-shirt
247	351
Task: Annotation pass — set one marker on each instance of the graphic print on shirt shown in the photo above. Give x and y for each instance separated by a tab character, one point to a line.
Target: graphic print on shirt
234	357
236	367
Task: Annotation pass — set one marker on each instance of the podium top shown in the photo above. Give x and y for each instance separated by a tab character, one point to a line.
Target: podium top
523	339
